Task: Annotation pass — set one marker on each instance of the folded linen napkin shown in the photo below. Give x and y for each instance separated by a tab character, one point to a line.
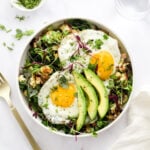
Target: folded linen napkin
137	134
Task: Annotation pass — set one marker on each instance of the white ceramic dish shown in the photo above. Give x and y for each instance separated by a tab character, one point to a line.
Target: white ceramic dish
22	8
22	61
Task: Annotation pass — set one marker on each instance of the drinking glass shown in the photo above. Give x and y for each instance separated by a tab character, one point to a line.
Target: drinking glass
133	9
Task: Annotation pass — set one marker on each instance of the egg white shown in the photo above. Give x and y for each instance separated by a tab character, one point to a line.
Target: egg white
56	114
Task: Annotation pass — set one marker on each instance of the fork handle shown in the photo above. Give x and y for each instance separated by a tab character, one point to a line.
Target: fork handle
30	138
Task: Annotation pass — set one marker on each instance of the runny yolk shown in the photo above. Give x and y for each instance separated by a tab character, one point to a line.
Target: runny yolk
63	97
105	64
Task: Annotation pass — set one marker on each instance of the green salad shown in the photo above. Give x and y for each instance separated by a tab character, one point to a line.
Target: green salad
76	78
29	4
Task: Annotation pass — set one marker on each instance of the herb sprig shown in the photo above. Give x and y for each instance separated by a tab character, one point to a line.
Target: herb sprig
20	18
19	33
3	28
9	47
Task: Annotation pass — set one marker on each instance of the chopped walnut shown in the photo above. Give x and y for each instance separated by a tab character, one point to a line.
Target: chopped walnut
123	77
38	80
25	92
118	74
122	64
22	78
124	55
46	69
35	80
32	81
45	72
55	47
75	31
49	33
56	55
65	27
34	44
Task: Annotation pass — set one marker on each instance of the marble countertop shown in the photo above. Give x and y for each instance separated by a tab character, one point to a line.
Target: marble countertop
134	34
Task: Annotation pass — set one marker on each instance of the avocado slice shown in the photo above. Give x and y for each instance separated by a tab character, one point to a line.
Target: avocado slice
101	89
91	93
82	109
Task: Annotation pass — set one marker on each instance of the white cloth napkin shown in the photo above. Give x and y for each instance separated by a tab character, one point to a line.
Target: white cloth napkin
137	134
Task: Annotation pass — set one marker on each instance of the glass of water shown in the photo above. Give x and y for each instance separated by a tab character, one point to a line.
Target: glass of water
133	9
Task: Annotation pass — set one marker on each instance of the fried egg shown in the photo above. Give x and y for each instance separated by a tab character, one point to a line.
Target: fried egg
90	47
59	102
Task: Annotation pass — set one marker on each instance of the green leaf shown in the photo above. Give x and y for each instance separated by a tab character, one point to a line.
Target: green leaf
92	66
79	24
3	28
20	18
19	33
28	32
63	82
105	36
111	84
95	44
98	43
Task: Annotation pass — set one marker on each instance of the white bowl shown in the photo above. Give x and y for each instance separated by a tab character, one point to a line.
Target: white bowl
22	8
22	61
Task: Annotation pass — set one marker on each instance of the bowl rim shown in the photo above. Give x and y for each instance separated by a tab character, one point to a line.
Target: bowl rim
24	103
22	8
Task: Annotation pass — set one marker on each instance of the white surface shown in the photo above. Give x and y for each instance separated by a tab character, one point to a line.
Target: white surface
135	34
133	139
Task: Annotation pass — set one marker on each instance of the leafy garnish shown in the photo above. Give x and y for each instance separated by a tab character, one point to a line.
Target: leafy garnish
4	44
9	47
105	36
20	18
3	28
45	105
95	43
92	66
98	43
63	81
19	33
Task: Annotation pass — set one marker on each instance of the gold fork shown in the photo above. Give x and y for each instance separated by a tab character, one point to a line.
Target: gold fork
5	93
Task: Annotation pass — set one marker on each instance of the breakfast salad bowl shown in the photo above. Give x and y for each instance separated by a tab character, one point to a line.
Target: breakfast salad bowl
75	77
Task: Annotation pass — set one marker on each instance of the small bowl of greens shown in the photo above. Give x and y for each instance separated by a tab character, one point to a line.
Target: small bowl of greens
27	5
75	77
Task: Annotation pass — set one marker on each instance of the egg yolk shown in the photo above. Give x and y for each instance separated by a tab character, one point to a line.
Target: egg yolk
63	97
104	62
